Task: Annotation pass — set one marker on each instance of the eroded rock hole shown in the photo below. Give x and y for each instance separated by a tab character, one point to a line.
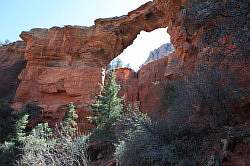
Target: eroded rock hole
147	47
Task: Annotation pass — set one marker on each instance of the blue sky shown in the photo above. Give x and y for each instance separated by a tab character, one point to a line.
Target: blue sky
22	15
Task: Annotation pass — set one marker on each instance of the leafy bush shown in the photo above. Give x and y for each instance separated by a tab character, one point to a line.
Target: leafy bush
158	143
42	147
13	131
64	148
60	150
210	94
8	154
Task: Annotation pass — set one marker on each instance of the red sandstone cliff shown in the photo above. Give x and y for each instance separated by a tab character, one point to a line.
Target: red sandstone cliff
127	79
144	87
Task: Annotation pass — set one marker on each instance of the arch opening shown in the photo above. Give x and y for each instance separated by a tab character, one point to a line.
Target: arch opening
147	46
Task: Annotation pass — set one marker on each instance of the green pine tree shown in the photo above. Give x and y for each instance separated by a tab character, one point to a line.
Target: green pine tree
108	107
69	121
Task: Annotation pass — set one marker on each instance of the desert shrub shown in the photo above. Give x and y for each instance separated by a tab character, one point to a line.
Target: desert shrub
6	42
66	147
200	109
211	93
145	142
163	143
131	121
42	147
107	109
69	120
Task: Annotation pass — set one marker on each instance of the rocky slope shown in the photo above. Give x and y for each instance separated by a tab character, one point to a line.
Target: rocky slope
160	52
11	64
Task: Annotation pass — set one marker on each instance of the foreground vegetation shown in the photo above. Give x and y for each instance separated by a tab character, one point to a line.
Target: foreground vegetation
43	145
201	128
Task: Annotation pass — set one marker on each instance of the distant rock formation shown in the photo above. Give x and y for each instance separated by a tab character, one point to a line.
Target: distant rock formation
160	52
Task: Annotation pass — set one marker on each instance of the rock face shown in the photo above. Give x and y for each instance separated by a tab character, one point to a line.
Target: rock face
144	88
212	35
128	80
207	34
150	80
11	64
160	52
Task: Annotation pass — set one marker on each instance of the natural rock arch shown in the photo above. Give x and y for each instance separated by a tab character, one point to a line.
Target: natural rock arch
65	64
